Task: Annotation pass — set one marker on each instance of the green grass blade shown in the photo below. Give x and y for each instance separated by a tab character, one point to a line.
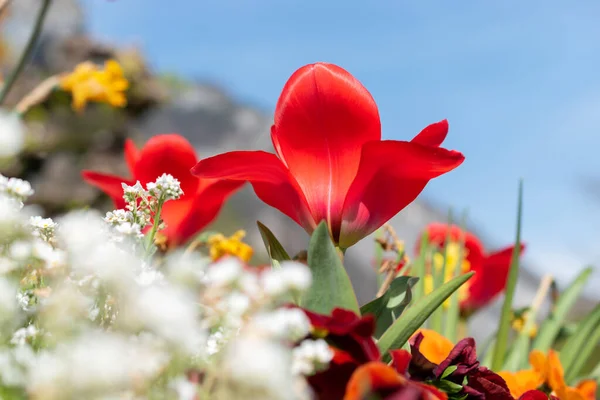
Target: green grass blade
551	326
503	329
437	318
453	312
412	318
576	344
419	268
585	352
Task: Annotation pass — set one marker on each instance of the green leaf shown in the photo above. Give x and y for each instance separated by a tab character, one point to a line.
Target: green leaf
390	306
580	346
511	283
448	386
550	328
331	286
448	371
275	250
412	319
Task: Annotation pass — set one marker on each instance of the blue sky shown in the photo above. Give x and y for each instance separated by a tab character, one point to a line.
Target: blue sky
518	81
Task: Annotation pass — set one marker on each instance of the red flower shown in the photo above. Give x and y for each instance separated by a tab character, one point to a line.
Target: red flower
331	163
171	154
491	269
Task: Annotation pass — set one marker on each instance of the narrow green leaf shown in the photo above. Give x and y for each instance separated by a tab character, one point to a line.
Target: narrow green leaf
448	386
412	318
453	312
550	328
511	284
331	286
574	347
419	268
585	352
448	371
379	256
488	352
390	306
275	250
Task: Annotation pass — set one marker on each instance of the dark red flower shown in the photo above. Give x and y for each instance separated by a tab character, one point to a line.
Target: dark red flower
351	338
331	163
491	269
481	383
348	332
171	154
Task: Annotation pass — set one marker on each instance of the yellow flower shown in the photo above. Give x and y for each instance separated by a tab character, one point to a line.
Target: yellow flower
453	261
233	246
90	83
547	370
518	324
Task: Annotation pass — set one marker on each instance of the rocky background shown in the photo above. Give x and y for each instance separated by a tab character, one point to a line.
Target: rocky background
60	143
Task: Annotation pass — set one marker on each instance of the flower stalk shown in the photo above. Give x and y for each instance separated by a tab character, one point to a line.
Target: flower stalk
29	47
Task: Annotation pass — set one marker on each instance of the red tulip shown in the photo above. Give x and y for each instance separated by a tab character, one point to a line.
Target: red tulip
171	154
331	163
491	269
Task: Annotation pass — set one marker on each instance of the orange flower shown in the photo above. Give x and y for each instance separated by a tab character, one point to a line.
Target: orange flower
378	380
434	346
548	370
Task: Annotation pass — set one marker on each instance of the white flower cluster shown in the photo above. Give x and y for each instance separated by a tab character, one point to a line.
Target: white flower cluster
142	207
82	316
165	187
15	188
43	227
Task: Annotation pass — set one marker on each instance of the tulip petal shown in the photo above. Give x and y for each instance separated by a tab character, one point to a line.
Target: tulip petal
184	218
391	175
323	117
132	155
432	135
109	184
490	278
271	181
167	154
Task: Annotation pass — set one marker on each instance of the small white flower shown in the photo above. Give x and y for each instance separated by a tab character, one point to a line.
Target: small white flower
292	277
284	323
20	250
166	187
52	258
21	335
185	389
17	188
12	134
224	272
134	191
43	227
129	229
117	217
270	376
311	356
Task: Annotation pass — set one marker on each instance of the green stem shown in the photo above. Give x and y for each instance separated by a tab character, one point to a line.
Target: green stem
503	329
37	29
155	224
